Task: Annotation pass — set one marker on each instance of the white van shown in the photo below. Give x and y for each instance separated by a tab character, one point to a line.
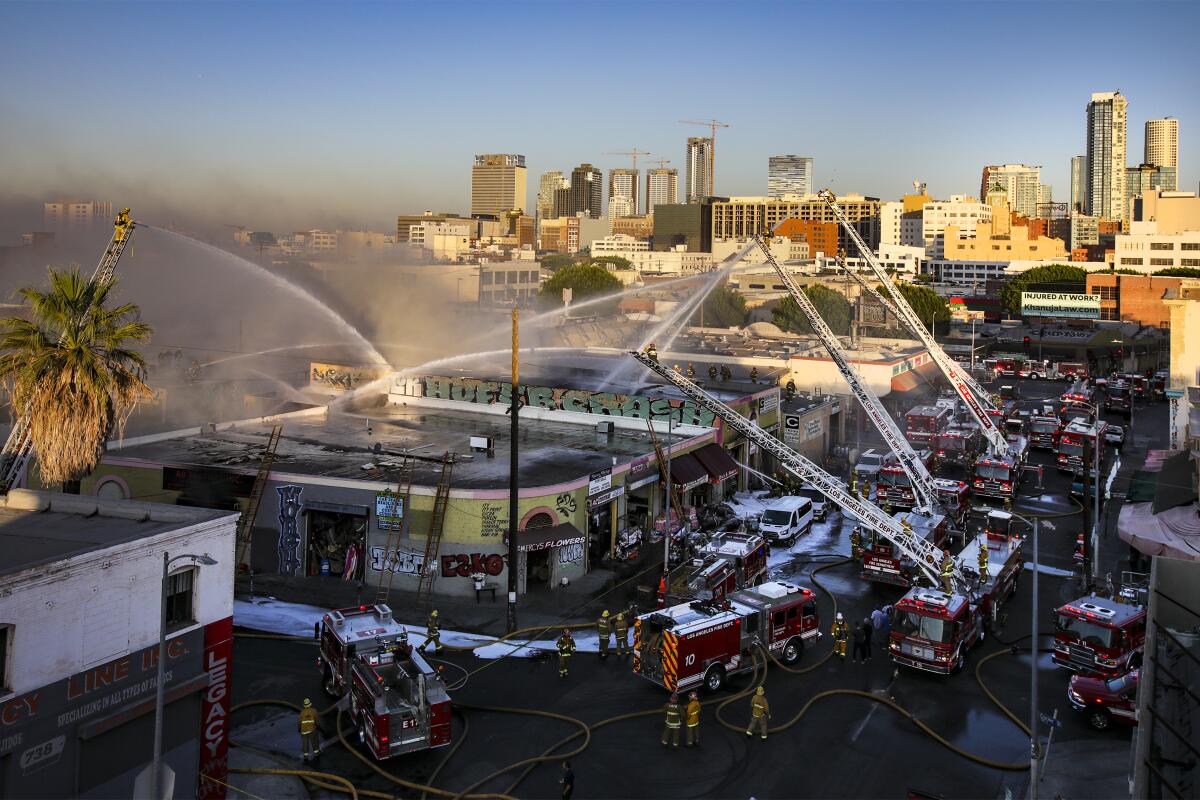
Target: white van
786	518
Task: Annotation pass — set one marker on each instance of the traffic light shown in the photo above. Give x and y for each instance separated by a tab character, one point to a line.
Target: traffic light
1026	342
1120	352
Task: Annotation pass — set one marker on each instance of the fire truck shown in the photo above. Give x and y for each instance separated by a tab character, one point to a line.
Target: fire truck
731	560
1078	438
1096	635
397	702
1118	396
923	423
703	643
1037	368
894	489
999	476
1072	371
1043	431
883	562
958	444
932	630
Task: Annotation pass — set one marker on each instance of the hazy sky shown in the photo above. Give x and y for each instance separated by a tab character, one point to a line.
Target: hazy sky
290	115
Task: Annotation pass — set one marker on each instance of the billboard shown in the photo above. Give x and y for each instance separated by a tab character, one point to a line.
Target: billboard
1059	304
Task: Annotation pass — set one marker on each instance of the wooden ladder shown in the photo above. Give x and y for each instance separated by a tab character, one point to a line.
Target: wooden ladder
395	522
676	502
433	541
245	528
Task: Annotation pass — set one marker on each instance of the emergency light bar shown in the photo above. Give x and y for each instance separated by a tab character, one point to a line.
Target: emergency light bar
1100	610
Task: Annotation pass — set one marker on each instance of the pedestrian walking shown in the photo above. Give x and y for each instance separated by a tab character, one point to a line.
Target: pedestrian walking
566	648
621	628
567	780
859	649
310	742
693	720
868	635
877	618
674	714
760	712
604	631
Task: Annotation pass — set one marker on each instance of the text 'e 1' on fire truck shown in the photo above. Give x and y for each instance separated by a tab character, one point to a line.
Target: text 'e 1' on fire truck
398	703
704	643
1099	636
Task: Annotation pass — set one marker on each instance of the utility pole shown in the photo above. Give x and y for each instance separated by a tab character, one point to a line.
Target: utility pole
513	484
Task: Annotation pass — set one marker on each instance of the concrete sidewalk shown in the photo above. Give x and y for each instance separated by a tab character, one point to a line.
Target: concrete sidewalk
277	787
1086	768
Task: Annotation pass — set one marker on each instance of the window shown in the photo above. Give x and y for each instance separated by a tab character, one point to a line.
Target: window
777	618
486	278
512	276
1189	245
1189	262
1161	262
1132	261
179	598
6	636
791	613
1108	313
1162	245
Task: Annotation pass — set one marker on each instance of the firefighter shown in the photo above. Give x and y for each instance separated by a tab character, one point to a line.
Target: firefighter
726	375
754	374
604	629
566	647
841	632
947	572
652	352
691	372
310	743
621	628
760	712
856	549
983	561
433	634
671	724
122	225
693	720
712	372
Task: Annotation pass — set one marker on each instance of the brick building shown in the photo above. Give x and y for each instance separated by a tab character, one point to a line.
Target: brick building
1135	298
822	237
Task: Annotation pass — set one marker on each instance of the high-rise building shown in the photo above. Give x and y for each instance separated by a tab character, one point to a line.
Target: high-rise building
1020	183
550	183
1144	177
497	184
583	195
622	192
1162	144
743	217
662	188
76	212
1079	179
1106	144
699	168
789	175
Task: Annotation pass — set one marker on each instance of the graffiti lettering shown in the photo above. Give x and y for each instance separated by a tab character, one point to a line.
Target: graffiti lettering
404	562
565	503
570	554
339	377
462	564
288	546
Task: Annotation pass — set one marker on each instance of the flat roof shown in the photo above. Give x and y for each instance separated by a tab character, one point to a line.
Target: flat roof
38	528
341	445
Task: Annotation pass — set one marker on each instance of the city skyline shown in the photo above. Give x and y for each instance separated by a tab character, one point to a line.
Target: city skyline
226	138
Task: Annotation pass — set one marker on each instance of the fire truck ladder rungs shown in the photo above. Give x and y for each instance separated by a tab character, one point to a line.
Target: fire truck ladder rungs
925	497
245	528
18	448
662	470
403	495
972	394
433	541
927	557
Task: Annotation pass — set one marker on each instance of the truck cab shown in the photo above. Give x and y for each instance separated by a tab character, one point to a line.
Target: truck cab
820	504
924	422
1043	431
932	631
1035	368
996	476
958	444
1105	701
745	552
786	519
1118	396
1097	635
1077	440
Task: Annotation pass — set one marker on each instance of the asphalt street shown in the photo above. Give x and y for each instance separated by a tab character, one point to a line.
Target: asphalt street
842	746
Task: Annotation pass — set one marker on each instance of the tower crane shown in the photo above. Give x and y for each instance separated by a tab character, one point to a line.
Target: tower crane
927	557
924	486
974	396
633	154
712	126
18	448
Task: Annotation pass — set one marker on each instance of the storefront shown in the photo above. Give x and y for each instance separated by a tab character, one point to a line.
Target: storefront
722	471
548	554
604	513
641	492
688	475
335	540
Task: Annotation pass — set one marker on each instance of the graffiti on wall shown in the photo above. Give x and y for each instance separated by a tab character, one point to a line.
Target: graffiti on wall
565	504
462	565
401	561
491	524
336	376
288	547
466	390
570	554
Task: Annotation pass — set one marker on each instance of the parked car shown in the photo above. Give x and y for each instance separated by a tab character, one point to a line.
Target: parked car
1114	436
1105	701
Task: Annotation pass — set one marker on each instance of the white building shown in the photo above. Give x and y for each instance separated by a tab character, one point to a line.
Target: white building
618	245
662	188
789	175
446	241
317	241
962	211
1162	144
80	587
622	192
781	247
699	168
76	212
549	183
1151	252
676	261
967	273
1020	183
890	214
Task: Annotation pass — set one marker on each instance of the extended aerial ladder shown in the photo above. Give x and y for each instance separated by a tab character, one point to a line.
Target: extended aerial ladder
924	495
976	399
18	448
927	557
245	528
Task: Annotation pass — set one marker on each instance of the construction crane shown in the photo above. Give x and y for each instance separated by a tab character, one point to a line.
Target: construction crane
634	153
712	125
923	484
662	162
976	399
18	448
924	554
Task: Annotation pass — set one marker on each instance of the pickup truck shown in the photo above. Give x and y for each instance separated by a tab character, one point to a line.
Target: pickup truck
1104	701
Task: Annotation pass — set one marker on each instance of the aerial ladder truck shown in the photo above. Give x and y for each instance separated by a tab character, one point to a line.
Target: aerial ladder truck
970	590
18	448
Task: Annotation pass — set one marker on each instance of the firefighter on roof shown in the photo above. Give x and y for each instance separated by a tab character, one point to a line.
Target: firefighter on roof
754	374
621	628
604	629
566	647
310	744
433	633
760	712
691	372
841	632
712	372
693	720
947	572
671	725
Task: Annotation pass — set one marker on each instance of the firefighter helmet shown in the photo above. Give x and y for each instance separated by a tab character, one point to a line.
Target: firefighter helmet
433	613
839	616
307	703
620	615
604	613
761	690
693	696
674	697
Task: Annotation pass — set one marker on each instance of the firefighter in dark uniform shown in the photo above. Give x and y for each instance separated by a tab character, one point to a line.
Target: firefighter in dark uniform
947	572
760	712
433	633
712	372
310	743
856	548
604	629
621	628
754	374
674	715
983	559
841	632
726	375
652	352
566	647
693	720
691	372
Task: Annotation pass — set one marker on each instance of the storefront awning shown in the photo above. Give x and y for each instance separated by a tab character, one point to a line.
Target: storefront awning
718	463
686	472
532	539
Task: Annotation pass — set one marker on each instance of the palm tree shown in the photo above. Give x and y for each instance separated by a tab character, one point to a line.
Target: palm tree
70	368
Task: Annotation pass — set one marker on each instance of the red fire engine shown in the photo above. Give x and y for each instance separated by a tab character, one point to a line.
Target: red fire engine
1043	431
1077	439
732	560
703	643
882	561
958	444
1096	635
1072	370
997	476
894	489
398	703
923	423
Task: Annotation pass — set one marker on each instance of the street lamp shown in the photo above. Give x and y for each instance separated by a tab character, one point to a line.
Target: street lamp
204	560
